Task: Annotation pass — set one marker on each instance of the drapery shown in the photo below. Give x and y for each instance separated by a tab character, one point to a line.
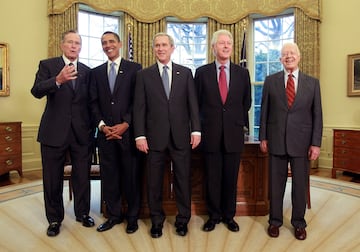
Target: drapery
225	11
144	18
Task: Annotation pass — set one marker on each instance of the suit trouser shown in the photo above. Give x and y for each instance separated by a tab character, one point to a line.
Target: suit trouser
120	178
278	175
53	160
156	161
222	171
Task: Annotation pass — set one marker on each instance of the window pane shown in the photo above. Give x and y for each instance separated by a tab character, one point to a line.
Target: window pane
91	26
269	36
190	43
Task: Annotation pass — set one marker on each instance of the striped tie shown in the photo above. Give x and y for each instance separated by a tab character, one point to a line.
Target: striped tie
290	90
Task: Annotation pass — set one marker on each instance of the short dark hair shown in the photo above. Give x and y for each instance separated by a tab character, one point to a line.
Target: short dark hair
113	33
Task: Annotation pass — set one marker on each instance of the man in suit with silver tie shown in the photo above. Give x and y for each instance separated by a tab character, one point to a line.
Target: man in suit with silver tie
166	121
111	94
290	131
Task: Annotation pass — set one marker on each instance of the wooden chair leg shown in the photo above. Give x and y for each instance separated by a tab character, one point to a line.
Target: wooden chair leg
70	190
308	194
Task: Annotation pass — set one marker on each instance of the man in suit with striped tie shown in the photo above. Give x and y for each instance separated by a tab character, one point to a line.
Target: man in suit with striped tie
291	131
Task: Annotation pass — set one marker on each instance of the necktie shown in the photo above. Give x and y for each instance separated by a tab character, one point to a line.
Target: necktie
290	90
73	82
223	84
165	80
112	76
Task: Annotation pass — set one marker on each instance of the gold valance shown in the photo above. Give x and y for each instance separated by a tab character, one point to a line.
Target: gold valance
225	11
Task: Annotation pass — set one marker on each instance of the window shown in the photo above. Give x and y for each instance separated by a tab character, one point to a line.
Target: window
91	26
269	36
190	43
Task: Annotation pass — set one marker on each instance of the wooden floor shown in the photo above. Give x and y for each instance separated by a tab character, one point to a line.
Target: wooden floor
332	223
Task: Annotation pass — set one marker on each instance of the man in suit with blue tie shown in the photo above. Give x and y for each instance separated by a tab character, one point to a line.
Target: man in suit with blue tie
112	92
224	101
291	132
65	127
166	121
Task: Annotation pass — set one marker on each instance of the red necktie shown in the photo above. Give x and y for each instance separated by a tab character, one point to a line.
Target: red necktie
223	84
290	90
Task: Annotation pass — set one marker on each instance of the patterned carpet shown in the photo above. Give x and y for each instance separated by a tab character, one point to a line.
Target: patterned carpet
352	189
331	225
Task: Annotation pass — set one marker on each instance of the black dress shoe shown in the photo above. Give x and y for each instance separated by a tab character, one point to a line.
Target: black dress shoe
181	228
156	231
300	233
86	221
232	225
131	227
273	231
210	225
53	229
108	225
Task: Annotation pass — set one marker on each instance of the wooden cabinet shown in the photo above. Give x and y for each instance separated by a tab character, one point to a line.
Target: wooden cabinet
252	188
10	147
346	151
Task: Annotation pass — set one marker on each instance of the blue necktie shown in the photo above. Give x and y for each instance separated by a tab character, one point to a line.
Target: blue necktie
165	80
112	76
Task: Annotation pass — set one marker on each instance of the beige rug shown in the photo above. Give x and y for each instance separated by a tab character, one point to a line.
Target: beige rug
332	226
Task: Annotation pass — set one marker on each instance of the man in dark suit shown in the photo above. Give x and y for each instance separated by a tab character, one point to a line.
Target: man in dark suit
112	111
291	131
65	127
222	121
166	120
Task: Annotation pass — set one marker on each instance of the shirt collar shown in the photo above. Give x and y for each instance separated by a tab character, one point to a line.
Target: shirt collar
161	66
117	62
67	61
294	73
227	64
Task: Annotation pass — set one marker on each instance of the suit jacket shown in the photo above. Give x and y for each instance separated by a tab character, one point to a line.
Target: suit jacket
291	131
222	124
156	116
114	108
66	108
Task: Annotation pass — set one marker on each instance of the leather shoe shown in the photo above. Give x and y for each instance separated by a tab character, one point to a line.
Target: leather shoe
232	225
181	228
300	233
108	225
86	220
156	231
273	231
210	225
53	229
131	227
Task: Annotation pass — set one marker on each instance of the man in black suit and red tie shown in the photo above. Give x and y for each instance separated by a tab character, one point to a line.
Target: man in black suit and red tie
291	132
166	121
65	127
112	92
224	93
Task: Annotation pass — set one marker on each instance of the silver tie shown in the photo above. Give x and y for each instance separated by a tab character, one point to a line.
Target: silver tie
165	80
112	76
